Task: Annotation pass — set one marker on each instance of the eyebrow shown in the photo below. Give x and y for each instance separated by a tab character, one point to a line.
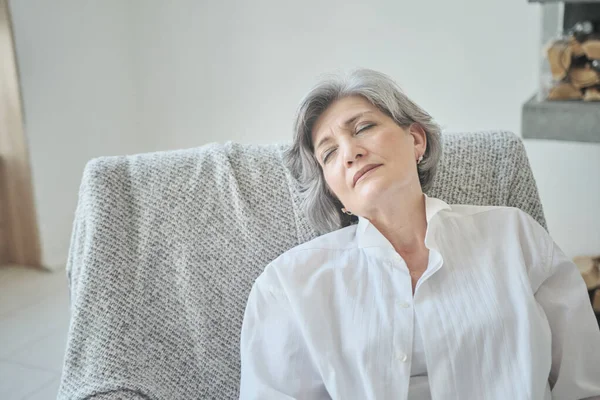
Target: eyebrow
350	121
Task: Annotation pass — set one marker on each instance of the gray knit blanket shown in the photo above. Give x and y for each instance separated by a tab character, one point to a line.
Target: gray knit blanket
166	246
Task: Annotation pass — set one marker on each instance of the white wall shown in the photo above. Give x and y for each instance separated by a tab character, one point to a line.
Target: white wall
118	77
78	88
240	70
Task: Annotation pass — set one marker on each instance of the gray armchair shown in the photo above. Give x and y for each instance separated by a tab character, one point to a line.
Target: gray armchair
166	247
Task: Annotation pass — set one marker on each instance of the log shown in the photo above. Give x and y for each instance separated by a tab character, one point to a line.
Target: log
564	91
592	94
582	77
559	57
591	48
589	267
576	48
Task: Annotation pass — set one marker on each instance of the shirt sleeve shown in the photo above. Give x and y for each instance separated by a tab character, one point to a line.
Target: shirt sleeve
276	363
575	372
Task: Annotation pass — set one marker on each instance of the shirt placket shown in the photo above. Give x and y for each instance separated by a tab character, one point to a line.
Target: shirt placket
403	329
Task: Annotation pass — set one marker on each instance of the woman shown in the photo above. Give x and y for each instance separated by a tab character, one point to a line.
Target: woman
419	299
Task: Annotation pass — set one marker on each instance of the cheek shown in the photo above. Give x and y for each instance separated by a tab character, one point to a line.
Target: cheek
383	142
395	146
335	181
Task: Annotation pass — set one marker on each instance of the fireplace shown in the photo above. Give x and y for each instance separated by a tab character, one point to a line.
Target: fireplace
567	103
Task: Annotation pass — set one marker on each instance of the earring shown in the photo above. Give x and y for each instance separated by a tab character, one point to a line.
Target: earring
419	160
346	211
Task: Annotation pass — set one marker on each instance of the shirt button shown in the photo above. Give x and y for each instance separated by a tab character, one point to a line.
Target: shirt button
403	305
402	357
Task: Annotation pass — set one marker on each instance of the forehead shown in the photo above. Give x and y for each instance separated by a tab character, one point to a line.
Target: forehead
338	113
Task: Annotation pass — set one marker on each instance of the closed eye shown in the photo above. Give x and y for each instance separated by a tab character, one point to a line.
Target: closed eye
359	130
365	127
327	154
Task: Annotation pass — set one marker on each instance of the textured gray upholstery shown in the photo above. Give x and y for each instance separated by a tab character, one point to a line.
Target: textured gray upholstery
166	247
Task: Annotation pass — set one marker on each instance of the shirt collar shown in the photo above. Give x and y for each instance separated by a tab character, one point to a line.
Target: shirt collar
369	236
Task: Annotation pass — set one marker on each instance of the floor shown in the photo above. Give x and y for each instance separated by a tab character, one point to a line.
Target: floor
34	319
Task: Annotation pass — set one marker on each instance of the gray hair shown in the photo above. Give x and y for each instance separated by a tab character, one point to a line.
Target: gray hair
319	203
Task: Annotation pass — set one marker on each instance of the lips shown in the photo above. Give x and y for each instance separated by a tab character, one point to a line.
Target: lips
363	171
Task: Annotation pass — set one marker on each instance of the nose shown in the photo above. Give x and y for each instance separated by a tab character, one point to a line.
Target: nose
352	152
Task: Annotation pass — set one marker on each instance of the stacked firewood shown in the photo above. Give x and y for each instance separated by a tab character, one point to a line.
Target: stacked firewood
590	271
575	66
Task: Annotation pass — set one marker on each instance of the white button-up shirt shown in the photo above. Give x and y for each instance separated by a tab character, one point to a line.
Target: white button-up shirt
503	314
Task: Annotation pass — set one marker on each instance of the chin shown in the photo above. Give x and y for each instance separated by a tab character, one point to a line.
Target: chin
370	189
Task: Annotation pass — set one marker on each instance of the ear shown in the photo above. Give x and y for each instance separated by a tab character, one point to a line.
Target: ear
419	138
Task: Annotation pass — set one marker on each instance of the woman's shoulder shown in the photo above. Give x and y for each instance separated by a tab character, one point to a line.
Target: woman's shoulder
339	239
509	225
508	215
307	257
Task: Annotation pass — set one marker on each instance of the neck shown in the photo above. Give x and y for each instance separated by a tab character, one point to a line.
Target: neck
403	222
